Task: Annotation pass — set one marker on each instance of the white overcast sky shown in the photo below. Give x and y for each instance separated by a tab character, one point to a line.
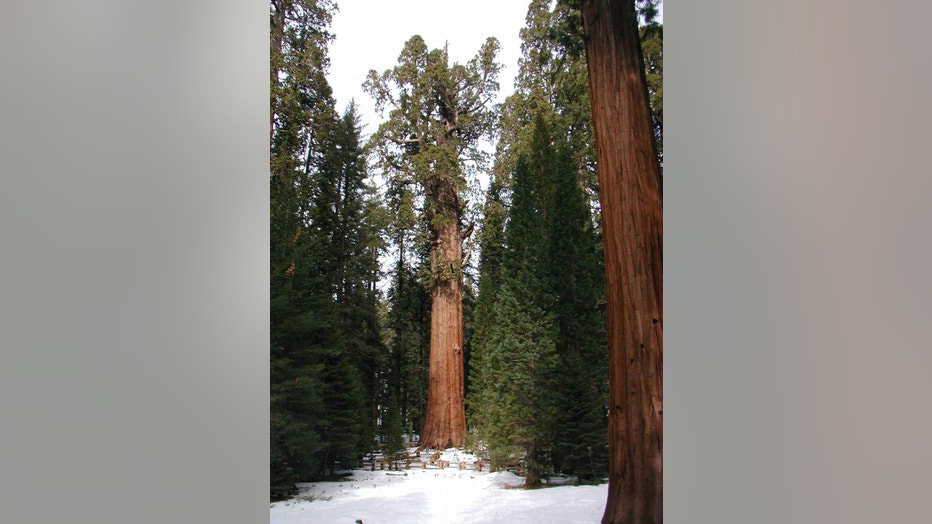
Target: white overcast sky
370	35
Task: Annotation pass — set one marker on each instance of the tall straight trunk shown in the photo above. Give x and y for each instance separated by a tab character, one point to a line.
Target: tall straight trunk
532	478
445	418
276	36
632	214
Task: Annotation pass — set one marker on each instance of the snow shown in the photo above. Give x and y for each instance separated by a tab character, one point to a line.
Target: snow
433	495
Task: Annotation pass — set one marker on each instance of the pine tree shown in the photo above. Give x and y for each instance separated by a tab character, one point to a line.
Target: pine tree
409	346
553	76
551	80
517	408
409	304
577	287
344	416
347	213
491	248
300	326
301	331
324	228
549	116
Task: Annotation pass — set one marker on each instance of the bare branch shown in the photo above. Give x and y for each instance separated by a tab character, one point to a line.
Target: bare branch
469	229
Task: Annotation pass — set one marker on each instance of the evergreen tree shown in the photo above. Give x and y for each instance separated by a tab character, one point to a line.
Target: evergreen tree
553	76
409	304
438	112
302	325
548	118
296	392
343	418
552	262
347	213
552	84
304	334
552	80
491	248
576	284
518	409
324	227
409	323
652	48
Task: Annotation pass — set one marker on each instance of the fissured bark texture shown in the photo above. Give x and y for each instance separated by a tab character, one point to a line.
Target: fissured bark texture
445	418
632	216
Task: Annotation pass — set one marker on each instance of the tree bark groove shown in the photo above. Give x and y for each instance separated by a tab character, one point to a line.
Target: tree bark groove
445	417
632	214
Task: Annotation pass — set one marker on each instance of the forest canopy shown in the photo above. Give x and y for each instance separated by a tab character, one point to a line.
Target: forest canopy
406	308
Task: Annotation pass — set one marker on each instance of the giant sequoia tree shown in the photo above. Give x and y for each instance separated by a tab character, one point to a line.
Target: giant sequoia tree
629	179
437	113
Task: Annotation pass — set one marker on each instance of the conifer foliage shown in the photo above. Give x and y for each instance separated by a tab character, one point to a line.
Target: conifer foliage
545	143
325	231
523	343
577	297
520	410
437	113
539	367
408	341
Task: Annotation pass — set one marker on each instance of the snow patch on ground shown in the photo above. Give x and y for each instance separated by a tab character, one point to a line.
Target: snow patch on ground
448	496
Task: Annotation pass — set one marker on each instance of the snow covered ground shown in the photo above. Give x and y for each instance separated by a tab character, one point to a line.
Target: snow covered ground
443	496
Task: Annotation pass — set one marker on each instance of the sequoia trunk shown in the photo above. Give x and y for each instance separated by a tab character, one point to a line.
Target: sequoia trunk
439	113
445	418
632	214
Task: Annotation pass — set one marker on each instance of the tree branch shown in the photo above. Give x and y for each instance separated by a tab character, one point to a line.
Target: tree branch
469	229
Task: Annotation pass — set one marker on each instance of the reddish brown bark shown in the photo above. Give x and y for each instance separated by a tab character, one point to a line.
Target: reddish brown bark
445	417
632	216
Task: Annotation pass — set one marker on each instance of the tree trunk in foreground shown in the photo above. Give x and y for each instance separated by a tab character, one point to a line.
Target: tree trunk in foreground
632	215
445	417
